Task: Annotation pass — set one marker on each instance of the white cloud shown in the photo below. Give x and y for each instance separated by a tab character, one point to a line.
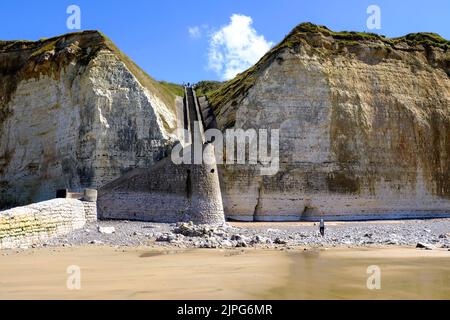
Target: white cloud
236	47
195	32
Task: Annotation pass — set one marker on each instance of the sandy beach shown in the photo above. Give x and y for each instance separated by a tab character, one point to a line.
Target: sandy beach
151	273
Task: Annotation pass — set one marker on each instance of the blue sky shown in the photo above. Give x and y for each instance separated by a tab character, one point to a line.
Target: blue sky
156	33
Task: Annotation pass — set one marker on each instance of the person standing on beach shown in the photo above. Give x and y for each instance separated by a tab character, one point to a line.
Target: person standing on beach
322	227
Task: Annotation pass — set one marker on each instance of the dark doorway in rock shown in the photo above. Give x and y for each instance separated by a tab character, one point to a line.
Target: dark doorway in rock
188	185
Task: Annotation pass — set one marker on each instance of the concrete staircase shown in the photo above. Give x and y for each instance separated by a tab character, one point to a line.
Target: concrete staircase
168	192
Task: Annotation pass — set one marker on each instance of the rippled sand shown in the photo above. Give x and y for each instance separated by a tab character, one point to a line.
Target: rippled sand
109	273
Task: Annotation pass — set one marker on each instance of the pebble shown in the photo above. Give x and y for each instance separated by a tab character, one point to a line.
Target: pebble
425	246
106	230
280	241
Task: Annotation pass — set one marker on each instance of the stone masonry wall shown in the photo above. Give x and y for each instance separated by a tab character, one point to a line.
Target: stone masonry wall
24	226
165	193
90	211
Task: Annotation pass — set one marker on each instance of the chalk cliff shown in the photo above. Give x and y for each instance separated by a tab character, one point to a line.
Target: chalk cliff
75	112
364	127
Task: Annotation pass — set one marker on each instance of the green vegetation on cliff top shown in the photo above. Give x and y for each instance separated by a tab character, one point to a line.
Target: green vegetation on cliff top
203	88
234	88
173	88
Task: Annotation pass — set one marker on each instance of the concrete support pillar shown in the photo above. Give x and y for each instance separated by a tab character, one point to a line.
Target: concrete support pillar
206	205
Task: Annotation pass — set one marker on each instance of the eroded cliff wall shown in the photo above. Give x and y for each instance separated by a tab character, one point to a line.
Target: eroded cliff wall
364	127
75	113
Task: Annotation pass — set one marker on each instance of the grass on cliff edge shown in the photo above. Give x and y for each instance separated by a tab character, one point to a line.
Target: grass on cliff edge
203	88
173	88
234	88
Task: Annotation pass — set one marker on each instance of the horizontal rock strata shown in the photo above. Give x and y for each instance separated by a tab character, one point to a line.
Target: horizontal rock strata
364	127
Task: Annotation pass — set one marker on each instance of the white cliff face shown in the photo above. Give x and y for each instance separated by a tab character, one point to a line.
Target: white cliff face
294	97
83	126
126	121
364	132
364	127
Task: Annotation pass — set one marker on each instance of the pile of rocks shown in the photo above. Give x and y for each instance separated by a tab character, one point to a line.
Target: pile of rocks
206	236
